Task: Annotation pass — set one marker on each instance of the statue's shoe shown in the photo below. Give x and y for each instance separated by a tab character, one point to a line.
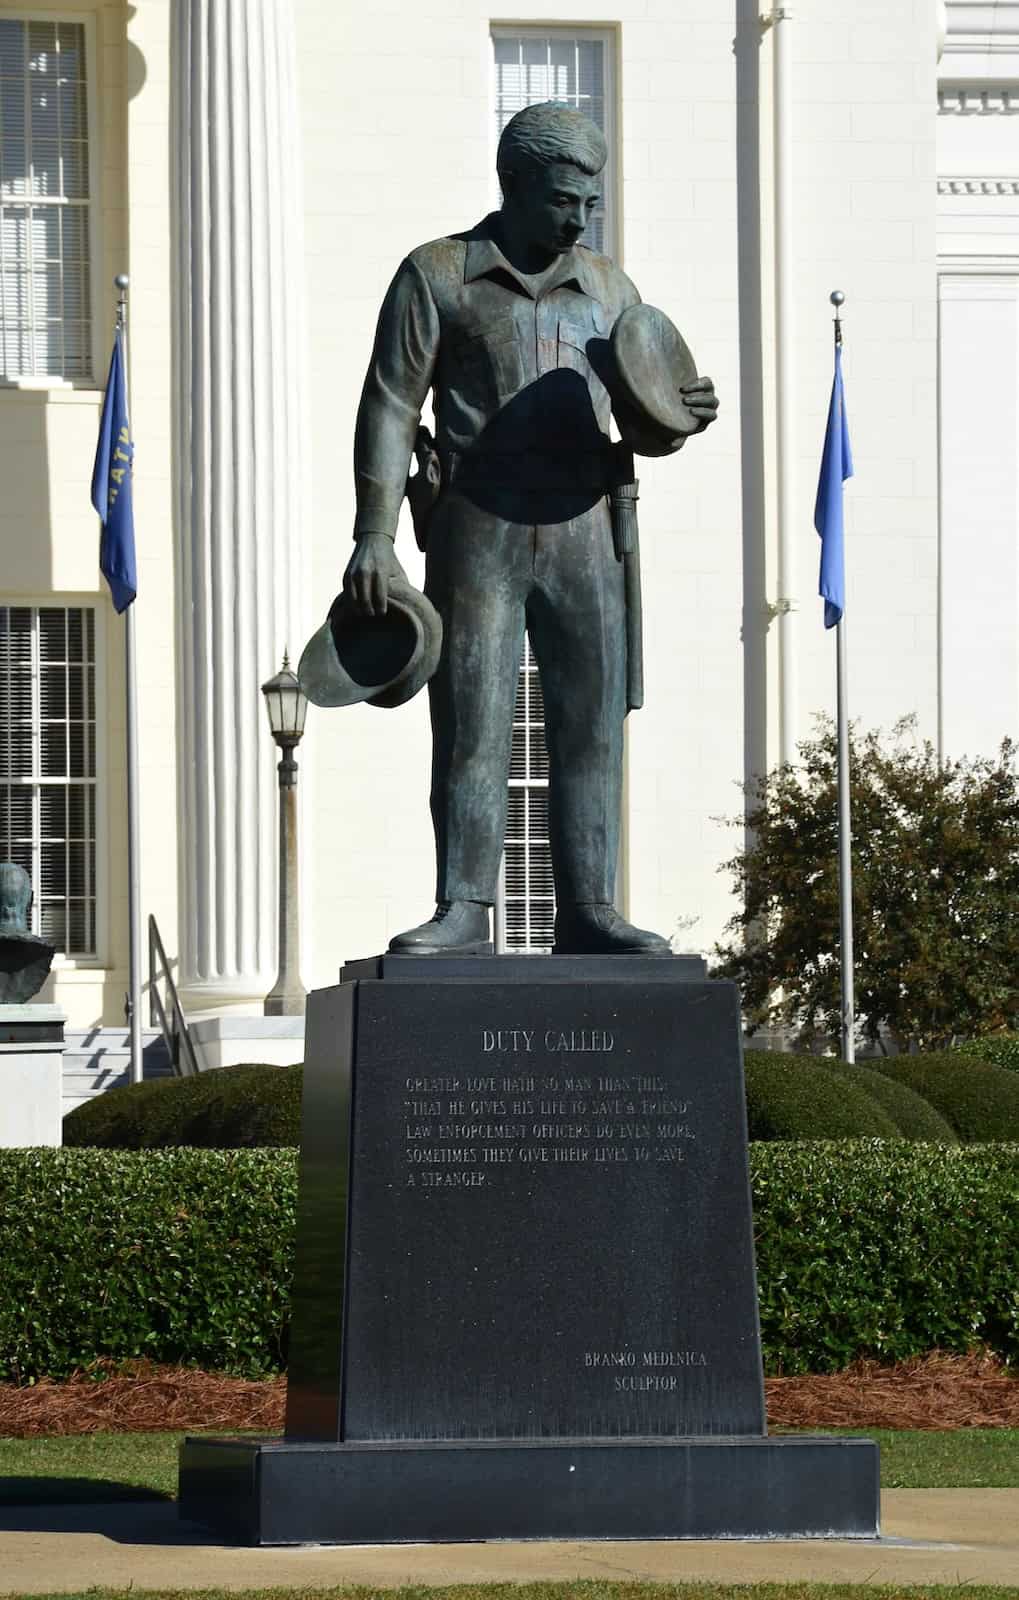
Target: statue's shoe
599	930
459	927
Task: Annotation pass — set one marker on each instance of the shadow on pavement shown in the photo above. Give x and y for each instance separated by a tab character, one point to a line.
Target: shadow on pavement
130	1516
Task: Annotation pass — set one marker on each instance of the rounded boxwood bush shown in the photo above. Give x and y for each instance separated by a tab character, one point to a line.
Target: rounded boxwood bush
981	1101
228	1108
796	1097
914	1117
1001	1049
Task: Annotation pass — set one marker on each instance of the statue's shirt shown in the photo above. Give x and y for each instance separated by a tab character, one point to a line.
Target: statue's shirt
516	367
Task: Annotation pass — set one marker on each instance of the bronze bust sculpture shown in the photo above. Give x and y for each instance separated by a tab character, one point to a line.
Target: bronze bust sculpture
24	957
527	515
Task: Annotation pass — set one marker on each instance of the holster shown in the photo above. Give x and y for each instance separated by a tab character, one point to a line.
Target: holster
423	489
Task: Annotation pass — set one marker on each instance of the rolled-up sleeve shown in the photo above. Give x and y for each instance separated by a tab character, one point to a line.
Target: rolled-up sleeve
395	390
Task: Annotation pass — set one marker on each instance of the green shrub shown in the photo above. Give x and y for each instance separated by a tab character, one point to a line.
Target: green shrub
885	1250
796	1097
935	889
181	1255
863	1248
1000	1049
980	1101
914	1117
231	1108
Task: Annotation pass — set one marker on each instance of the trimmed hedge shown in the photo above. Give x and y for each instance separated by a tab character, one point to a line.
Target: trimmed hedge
797	1097
232	1108
885	1250
181	1255
1000	1049
914	1117
980	1101
863	1248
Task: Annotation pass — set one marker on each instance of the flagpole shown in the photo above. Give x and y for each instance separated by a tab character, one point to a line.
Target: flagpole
845	816
133	1006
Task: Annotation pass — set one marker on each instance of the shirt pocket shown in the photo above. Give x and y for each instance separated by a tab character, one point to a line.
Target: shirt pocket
491	362
576	331
581	344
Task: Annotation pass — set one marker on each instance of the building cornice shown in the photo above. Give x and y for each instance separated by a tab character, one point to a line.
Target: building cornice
982	27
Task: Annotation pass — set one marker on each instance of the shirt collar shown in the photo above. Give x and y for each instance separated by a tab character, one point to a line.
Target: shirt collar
485	259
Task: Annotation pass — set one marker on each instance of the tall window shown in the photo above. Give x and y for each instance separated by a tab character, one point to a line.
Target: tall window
534	64
530	897
45	323
574	67
48	765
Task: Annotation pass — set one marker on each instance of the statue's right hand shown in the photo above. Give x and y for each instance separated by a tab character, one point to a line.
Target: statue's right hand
369	573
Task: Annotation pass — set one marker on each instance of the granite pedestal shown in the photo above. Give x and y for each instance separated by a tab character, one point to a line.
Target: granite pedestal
31	1075
524	1302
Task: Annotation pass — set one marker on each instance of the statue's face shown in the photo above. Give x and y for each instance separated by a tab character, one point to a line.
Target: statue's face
554	204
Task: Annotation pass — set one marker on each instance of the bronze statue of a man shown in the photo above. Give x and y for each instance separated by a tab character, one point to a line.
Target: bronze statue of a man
508	327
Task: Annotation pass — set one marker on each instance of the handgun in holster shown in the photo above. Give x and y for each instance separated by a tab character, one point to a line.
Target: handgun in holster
424	488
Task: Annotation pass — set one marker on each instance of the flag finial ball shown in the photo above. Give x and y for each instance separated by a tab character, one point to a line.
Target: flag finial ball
837	298
121	281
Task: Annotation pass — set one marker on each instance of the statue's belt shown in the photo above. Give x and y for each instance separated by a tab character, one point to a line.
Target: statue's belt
598	470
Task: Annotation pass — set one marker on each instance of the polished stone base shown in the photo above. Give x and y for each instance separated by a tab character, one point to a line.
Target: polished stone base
276	1491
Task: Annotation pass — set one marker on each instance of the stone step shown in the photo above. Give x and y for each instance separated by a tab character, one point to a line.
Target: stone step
97	1059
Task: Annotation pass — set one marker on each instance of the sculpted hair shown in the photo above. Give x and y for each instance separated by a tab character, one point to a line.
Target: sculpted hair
546	133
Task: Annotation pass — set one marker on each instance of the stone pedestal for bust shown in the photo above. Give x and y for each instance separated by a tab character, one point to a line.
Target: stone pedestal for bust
31	1075
524	1302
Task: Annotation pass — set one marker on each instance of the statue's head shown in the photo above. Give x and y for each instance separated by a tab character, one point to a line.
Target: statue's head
550	160
15	898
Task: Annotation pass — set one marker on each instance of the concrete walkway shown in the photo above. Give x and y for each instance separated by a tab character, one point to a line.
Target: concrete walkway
946	1536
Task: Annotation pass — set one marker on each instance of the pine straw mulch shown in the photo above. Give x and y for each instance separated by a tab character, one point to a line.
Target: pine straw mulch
932	1392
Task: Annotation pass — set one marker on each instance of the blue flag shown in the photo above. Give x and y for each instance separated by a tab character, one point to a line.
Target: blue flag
111	486
836	467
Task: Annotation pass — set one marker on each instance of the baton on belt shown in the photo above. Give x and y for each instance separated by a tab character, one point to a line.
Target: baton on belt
626	539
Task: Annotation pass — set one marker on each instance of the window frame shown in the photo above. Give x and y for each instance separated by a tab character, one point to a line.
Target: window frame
93	380
606	35
99	959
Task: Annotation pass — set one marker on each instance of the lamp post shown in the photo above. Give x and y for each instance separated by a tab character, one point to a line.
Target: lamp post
286	706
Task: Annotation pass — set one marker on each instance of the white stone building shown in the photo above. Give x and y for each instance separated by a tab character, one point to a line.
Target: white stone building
259	167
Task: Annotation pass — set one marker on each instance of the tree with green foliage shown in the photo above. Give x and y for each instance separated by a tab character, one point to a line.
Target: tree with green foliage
935	892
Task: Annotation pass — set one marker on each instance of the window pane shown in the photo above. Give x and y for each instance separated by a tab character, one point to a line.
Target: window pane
71	100
52	811
12	48
53	923
15	816
77	751
75	170
53	692
53	750
53	625
15	751
44	113
71	39
52	870
77	925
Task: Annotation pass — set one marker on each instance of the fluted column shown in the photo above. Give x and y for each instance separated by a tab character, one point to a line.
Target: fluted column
238	272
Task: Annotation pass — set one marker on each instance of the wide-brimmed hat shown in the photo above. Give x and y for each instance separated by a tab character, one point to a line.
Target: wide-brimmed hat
652	362
383	660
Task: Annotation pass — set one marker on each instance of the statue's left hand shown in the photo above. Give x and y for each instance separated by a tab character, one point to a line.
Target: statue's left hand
700	398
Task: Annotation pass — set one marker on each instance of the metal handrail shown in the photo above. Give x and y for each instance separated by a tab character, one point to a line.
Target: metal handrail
175	1028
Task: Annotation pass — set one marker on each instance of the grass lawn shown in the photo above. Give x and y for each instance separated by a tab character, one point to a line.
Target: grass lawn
588	1589
132	1466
